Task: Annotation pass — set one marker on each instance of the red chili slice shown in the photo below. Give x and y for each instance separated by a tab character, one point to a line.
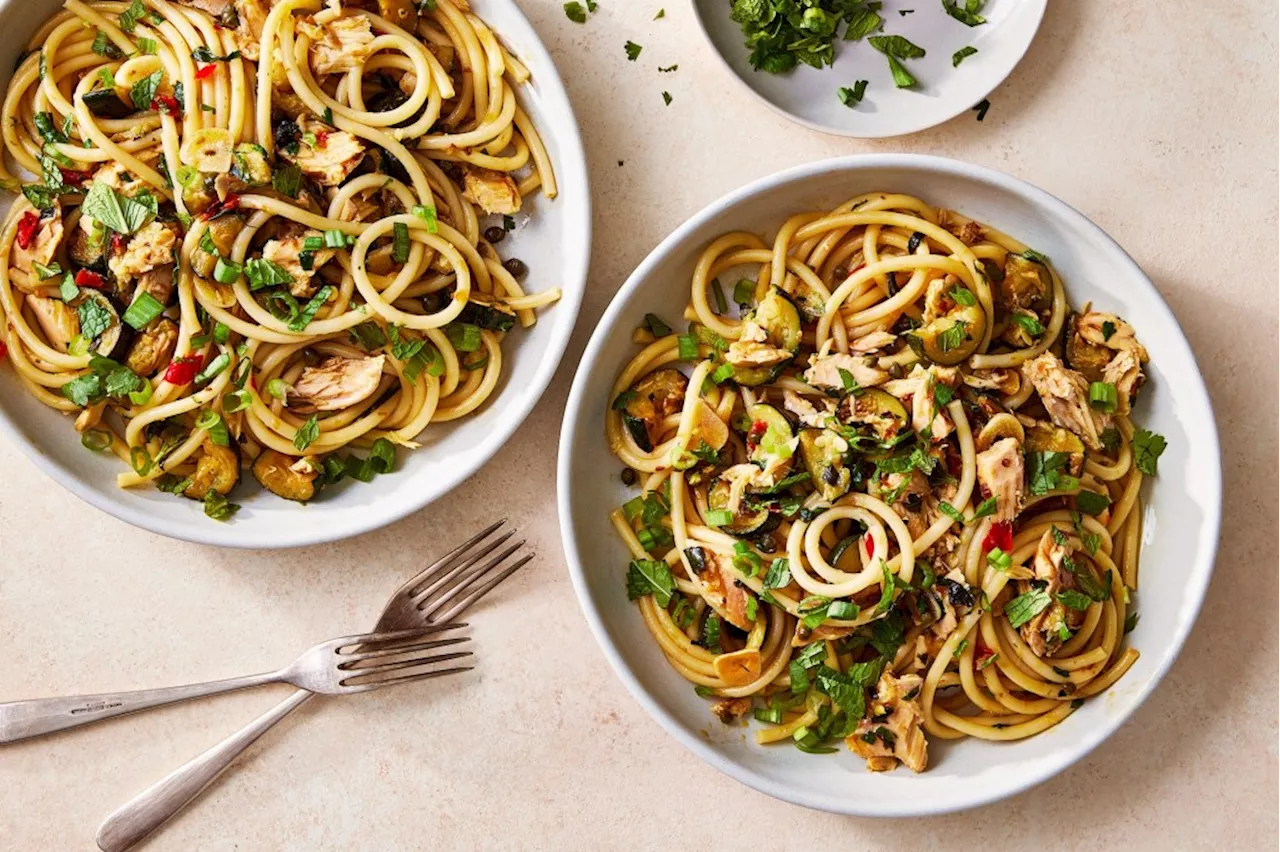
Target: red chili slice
88	278
117	243
231	202
1001	536
321	138
206	71
183	370
74	177
4	350
167	104
27	229
870	546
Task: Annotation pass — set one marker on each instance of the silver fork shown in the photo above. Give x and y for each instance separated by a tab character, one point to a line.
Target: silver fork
323	668
441	592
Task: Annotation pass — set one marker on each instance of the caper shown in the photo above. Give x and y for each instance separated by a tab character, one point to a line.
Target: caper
494	234
516	267
628	476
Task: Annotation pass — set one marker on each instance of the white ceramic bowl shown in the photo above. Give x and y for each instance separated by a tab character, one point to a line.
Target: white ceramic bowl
555	244
808	95
1180	530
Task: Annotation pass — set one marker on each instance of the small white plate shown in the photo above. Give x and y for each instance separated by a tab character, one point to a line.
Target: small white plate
809	95
1182	506
555	243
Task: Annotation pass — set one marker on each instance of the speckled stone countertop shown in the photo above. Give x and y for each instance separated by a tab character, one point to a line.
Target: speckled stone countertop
1158	121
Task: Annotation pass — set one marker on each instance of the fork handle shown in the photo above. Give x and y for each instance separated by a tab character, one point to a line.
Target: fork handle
154	806
22	719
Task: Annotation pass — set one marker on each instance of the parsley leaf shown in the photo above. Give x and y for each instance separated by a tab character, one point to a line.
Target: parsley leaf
633	50
961	54
1147	447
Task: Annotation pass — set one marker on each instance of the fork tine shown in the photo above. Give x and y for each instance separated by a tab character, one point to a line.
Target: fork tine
459	583
447	559
450	575
352	659
486	588
391	636
417	662
392	681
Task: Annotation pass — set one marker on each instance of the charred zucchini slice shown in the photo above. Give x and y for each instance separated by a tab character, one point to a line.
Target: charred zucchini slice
769	438
275	472
652	399
824	459
781	323
746	521
1026	284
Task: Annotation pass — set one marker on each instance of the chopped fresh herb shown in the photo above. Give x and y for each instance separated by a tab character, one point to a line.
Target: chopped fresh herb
863	22
851	96
1131	621
711	633
886	589
103	47
963	296
1092	503
1026	606
217	506
778	575
1110	438
1147	447
129	17
667	69
1073	599
981	108
1108	329
400	245
896	45
307	433
143	92
428	215
721	305
633	50
120	213
1047	471
94	319
287	180
308	312
848	381
986	507
961	54
954	336
666	98
1029	323
942	395
1032	254
951	512
662	13
968	15
575	12
263	273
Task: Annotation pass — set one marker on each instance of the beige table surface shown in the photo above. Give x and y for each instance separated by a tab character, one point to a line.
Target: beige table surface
1158	122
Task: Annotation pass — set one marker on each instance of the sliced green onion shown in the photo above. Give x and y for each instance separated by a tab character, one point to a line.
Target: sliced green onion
428	215
719	517
688	347
227	272
211	422
335	239
96	439
221	333
277	388
144	309
213	368
656	326
358	469
335	469
842	609
1102	396
79	345
307	433
744	292
187	175
382	456
999	560
313	243
141	461
400	247
633	507
722	373
46	271
721	305
236	401
141	396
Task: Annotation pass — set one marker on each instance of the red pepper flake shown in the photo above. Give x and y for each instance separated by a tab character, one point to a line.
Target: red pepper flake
27	229
206	71
231	202
321	138
117	243
982	653
89	278
183	370
1001	536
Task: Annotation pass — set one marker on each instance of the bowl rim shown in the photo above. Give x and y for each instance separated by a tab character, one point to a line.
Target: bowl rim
1198	401
831	130
571	166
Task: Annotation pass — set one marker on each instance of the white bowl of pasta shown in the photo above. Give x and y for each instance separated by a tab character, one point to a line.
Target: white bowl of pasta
845	513
344	280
